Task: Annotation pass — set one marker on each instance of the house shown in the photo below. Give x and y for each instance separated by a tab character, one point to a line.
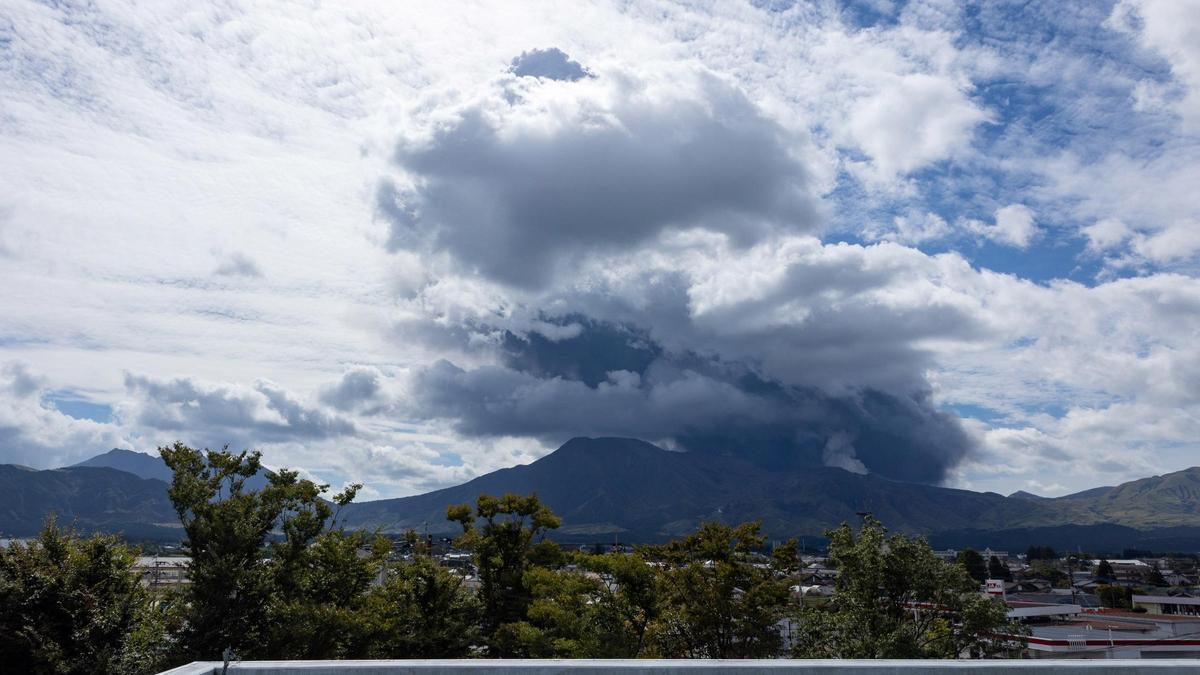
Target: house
1168	605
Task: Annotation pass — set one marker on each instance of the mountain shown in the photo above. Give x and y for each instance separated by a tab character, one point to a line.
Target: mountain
605	486
1021	494
1159	501
619	487
136	463
149	466
91	498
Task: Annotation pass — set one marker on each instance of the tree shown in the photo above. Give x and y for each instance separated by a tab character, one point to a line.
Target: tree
1041	569
1104	570
601	610
72	605
1117	597
895	599
504	548
292	597
1040	553
718	600
423	610
998	570
1154	577
973	563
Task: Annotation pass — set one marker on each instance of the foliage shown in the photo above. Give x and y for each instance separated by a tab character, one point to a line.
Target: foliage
422	611
718	599
972	561
1154	577
1104	570
73	605
601	609
1118	597
504	549
294	597
1042	569
895	599
1040	553
998	570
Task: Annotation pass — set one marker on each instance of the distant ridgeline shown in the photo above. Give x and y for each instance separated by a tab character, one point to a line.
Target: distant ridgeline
625	489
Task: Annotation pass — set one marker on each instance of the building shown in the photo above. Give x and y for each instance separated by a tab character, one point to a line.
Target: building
1070	632
1168	605
163	571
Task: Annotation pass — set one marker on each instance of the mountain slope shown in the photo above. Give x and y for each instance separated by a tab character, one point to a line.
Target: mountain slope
604	487
609	485
150	466
136	463
91	498
1158	501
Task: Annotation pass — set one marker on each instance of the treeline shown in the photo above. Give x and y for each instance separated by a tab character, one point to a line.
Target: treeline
275	576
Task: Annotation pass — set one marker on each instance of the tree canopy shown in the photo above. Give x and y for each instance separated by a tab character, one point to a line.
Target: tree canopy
895	599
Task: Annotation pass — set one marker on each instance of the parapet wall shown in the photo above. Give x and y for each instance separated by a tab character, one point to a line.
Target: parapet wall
688	667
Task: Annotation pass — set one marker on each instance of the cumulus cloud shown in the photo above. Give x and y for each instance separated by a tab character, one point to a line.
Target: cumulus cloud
701	407
359	388
224	413
34	433
552	63
918	119
523	183
767	352
1170	29
910	228
1014	226
1105	234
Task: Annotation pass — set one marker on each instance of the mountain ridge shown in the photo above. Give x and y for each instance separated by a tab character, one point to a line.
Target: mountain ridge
621	487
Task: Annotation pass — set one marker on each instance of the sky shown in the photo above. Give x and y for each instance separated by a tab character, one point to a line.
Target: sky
406	244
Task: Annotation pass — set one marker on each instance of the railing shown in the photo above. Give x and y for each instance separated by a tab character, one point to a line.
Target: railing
689	667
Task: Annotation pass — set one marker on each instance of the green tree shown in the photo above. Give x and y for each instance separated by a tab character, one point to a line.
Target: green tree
290	596
1105	570
1042	569
601	609
422	611
998	570
1117	597
73	605
506	537
895	599
973	563
1040	553
718	598
1154	577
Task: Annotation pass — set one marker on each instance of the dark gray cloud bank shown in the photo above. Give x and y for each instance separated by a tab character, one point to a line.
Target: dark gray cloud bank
519	202
228	414
836	381
614	380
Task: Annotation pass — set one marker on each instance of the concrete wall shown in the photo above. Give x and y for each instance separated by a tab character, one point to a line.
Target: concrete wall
686	667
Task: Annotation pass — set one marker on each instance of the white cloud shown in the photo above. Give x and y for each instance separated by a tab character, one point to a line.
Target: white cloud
911	228
914	121
1106	234
1171	28
1014	226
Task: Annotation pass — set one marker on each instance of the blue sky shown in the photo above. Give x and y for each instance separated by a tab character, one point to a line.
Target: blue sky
406	244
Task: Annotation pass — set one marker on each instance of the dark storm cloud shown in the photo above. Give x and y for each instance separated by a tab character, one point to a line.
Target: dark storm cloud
358	389
551	63
518	198
226	414
614	380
